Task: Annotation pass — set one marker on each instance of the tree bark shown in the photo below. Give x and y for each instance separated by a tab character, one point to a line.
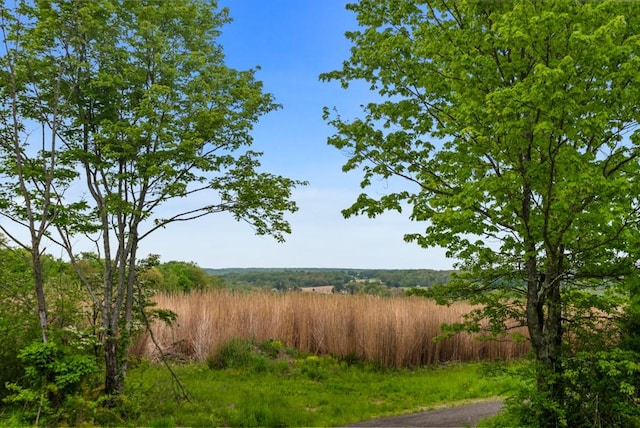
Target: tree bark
544	320
40	297
113	384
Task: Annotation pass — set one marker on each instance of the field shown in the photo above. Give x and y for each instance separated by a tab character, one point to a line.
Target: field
392	332
310	391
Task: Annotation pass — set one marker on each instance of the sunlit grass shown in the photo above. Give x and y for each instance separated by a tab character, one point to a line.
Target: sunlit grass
308	391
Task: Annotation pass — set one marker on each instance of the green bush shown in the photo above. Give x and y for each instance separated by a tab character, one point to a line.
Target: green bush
602	389
525	403
52	384
17	329
237	353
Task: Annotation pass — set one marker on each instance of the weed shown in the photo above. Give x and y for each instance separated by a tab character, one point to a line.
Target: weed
316	368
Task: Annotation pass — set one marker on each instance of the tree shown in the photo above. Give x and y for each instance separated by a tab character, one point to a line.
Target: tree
157	128
34	178
516	126
185	277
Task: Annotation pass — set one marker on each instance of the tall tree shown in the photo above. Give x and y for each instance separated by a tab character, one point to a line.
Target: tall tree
158	128
515	124
33	177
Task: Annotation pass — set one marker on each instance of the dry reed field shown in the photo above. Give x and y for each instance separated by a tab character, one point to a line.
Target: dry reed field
394	332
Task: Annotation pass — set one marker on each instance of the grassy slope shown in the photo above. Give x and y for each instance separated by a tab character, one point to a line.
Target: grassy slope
311	391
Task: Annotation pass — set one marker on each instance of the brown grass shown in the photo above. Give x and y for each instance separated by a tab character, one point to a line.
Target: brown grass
396	332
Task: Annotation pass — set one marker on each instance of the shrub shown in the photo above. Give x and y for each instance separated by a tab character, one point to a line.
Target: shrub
603	389
17	329
237	353
52	381
525	404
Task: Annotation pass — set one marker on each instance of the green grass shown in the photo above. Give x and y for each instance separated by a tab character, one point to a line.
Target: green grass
305	391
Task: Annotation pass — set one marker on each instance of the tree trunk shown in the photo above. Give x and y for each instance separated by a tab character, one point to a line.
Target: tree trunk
128	317
36	266
113	385
544	320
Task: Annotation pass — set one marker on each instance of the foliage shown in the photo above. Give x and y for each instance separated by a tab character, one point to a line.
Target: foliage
629	321
18	325
18	322
603	389
184	277
371	287
35	174
244	354
600	370
273	348
71	315
417	292
52	383
317	368
514	127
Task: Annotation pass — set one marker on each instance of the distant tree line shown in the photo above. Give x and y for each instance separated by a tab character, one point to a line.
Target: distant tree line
408	277
288	279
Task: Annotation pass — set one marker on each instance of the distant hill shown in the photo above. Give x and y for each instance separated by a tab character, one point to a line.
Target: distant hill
288	278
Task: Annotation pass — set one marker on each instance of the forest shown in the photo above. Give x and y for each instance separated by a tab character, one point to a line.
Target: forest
341	279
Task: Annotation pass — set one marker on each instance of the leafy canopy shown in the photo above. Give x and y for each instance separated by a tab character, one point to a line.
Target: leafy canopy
516	122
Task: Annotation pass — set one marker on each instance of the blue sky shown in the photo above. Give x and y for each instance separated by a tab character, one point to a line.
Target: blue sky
293	41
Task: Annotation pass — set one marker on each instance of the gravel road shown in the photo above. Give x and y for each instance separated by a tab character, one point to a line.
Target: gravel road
462	416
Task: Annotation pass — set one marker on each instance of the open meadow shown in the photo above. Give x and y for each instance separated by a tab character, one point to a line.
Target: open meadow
391	332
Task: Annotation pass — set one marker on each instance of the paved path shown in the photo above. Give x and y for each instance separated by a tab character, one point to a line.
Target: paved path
462	416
